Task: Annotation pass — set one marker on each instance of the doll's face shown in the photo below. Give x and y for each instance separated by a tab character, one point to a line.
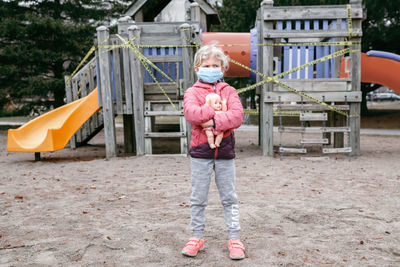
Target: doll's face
214	101
216	104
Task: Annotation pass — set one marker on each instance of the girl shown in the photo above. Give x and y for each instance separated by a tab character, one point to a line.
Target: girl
210	63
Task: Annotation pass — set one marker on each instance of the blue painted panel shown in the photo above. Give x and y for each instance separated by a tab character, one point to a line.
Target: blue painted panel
180	64
156	51
286	52
298	54
310	50
113	75
318	53
288	25
326	71
172	65
164	66
344	24
253	53
302	61
307	25
298	25
294	60
147	77
311	57
279	25
332	50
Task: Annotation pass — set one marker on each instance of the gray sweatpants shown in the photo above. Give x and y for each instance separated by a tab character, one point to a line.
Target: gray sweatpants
201	171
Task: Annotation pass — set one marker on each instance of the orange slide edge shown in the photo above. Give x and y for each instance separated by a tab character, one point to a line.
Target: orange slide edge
380	70
52	130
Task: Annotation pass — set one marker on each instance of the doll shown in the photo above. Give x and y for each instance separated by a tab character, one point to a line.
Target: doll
214	100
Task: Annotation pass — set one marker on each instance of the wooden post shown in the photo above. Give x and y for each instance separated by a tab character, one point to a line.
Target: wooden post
137	90
195	12
338	138
107	95
197	15
267	112
128	120
260	39
355	108
128	109
188	70
68	95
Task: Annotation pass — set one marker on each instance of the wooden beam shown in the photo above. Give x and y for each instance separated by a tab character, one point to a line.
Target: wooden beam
292	150
307	116
273	97
137	91
309	34
314	85
164	134
355	75
267	114
309	107
163	113
314	141
107	95
310	12
336	150
314	129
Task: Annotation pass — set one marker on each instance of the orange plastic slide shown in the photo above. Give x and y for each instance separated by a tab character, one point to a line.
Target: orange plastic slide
380	70
52	131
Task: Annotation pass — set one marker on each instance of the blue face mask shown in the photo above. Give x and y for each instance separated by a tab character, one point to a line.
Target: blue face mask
210	75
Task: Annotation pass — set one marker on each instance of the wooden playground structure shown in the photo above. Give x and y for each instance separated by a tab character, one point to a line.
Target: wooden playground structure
141	73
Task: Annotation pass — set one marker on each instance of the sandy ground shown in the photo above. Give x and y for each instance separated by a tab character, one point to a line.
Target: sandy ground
75	208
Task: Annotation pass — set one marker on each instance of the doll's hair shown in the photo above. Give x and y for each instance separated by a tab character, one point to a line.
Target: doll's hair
212	96
208	51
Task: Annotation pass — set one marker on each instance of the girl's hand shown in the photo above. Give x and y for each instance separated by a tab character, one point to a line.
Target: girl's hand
206	124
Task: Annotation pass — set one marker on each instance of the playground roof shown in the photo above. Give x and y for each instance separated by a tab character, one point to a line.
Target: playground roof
151	8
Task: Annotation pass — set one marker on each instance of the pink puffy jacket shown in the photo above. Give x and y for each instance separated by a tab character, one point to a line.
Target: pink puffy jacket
196	113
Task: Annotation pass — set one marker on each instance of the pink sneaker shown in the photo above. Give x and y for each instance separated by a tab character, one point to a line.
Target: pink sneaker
236	249
193	246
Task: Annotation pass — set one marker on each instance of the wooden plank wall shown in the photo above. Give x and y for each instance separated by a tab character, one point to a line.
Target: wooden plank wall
80	85
308	24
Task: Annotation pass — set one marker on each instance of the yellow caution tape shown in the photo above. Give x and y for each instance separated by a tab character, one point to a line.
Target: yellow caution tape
251	111
84	79
146	61
344	43
349	22
269	79
88	54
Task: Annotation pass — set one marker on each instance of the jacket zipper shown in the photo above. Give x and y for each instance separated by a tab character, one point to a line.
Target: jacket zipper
216	149
216	153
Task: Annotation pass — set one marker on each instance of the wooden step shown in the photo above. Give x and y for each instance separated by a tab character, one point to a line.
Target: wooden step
313	116
165	101
292	150
314	129
309	107
315	141
336	150
164	134
163	113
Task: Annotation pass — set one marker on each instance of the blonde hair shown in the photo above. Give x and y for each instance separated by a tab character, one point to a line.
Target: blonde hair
208	51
